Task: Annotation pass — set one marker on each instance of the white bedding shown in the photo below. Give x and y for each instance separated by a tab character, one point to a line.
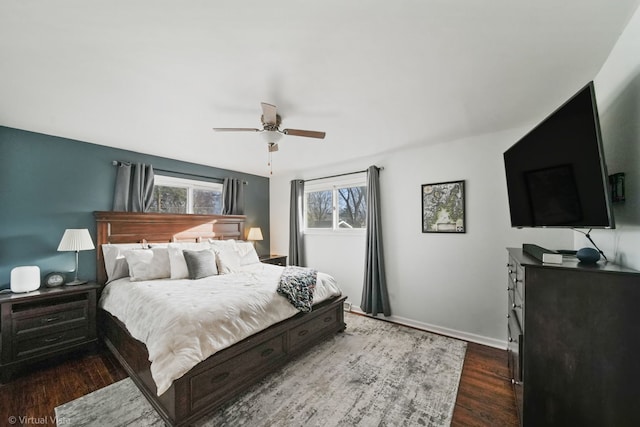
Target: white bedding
182	322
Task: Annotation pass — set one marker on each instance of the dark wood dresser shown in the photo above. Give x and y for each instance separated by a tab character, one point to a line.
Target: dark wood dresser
573	342
44	323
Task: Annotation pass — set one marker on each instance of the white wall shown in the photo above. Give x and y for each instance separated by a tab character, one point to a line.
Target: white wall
618	94
449	283
455	284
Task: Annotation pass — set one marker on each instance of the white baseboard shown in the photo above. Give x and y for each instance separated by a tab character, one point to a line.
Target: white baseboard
452	333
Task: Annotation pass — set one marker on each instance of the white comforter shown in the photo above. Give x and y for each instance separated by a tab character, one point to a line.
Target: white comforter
182	322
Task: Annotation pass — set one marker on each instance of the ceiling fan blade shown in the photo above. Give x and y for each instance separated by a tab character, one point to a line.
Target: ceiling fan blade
306	133
269	114
236	130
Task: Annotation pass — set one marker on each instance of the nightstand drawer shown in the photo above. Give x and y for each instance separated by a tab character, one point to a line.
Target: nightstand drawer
25	348
60	315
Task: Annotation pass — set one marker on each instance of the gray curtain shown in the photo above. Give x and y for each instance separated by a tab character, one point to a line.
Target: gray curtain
296	235
232	196
375	298
134	187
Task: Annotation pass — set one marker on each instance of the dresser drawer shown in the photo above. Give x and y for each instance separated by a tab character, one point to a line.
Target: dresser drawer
516	306
41	344
519	282
516	278
55	317
514	347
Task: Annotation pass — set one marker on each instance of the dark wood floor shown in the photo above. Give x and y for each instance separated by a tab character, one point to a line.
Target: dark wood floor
484	395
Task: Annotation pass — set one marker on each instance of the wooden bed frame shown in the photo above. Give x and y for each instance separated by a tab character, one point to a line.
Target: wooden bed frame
220	378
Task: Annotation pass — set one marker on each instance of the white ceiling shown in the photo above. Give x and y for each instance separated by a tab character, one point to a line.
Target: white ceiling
155	76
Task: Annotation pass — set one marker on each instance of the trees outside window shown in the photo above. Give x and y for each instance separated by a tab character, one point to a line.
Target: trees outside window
336	204
178	195
352	204
169	199
207	201
319	208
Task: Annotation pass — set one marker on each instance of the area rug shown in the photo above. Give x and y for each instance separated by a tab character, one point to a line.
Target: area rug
375	373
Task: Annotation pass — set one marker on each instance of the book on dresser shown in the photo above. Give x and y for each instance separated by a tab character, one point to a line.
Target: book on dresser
573	342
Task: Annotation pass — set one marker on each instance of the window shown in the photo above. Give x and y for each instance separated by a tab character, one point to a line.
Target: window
336	204
179	195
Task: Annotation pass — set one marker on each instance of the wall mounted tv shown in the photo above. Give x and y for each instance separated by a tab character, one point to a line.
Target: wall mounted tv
556	174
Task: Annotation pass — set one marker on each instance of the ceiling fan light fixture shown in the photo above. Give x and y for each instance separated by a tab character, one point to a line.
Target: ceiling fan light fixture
270	136
271	132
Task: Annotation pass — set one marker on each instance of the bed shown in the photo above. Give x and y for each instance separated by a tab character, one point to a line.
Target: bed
222	376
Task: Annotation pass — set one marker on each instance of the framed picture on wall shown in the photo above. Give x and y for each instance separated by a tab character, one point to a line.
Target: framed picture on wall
443	207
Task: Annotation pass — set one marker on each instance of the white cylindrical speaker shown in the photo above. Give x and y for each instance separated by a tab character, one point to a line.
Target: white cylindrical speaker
25	279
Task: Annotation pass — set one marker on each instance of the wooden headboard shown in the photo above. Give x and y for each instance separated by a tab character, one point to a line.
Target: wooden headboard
137	227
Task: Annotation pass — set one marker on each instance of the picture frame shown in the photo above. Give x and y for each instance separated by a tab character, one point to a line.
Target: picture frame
443	207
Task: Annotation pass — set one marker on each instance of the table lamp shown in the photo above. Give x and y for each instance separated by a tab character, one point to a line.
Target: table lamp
77	240
254	234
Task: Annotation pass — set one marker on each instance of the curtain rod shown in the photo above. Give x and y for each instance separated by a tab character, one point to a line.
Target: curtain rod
118	163
341	174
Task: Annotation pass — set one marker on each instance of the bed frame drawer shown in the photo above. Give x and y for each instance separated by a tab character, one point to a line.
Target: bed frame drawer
212	384
305	333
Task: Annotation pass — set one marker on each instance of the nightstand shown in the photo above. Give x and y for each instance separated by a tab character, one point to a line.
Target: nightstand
44	323
274	259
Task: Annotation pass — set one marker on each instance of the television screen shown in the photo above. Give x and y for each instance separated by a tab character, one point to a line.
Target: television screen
556	175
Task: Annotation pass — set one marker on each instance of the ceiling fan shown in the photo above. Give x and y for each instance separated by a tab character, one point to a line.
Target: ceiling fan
271	127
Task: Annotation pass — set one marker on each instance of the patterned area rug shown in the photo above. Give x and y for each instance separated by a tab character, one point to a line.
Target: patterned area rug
375	373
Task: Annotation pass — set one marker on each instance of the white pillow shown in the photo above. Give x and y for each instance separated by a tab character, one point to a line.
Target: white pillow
228	261
148	264
240	246
178	265
247	253
222	244
232	254
115	263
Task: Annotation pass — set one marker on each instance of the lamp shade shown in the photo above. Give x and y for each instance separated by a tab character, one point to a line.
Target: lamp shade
255	234
76	239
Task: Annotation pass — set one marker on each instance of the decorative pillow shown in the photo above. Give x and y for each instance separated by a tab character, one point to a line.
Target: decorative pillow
228	261
235	253
115	263
176	258
247	253
200	263
148	264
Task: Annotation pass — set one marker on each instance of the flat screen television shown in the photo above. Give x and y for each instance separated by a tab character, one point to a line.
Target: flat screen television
556	173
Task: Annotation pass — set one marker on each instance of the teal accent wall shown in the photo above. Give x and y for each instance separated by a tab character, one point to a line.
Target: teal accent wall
49	184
